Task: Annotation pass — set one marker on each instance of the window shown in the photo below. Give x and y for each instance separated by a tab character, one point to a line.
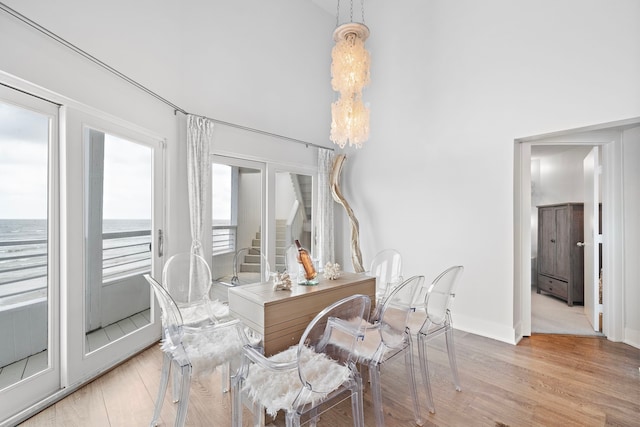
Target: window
24	145
224	212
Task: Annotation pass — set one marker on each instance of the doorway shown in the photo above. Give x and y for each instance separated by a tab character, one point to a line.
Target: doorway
558	188
609	137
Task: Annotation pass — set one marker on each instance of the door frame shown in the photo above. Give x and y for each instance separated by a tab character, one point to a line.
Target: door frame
607	136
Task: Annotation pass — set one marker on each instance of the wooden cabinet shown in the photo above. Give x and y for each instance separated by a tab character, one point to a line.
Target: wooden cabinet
560	258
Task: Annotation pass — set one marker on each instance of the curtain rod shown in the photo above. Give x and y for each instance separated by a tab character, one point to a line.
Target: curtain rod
129	80
262	132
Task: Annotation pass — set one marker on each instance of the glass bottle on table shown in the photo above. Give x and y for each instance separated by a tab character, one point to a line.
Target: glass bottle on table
307	263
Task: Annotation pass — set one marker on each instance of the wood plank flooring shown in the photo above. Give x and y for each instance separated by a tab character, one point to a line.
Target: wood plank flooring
546	380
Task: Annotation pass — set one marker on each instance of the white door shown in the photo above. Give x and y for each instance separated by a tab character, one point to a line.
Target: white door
29	257
592	239
115	212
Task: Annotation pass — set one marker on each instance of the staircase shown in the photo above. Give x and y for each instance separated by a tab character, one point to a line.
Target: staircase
251	261
281	244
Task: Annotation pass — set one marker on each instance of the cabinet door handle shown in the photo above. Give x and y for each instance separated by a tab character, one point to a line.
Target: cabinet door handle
553	240
581	244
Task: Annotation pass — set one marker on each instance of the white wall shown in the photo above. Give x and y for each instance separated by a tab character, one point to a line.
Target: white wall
561	177
285	196
250	188
631	159
453	84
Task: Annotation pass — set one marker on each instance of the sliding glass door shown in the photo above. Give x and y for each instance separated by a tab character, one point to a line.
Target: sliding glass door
81	220
29	261
115	200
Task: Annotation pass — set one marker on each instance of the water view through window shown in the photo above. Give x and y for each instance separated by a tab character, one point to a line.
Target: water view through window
24	269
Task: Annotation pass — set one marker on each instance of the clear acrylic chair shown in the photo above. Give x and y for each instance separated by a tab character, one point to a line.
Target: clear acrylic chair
387	336
386	267
187	278
260	269
309	378
431	319
191	349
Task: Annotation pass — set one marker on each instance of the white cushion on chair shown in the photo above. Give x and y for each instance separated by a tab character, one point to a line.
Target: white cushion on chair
208	349
277	390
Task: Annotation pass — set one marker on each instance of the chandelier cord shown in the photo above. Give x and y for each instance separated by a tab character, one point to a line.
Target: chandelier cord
350	12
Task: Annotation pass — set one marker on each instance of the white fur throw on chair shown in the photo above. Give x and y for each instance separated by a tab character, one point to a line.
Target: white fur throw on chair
276	390
207	349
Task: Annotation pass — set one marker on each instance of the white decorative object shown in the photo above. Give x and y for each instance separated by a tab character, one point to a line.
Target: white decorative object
331	271
350	63
281	282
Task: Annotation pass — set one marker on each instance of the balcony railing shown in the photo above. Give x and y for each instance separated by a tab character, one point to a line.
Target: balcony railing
223	239
23	263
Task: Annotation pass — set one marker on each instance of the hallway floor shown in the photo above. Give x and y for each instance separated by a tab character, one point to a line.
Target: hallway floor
551	315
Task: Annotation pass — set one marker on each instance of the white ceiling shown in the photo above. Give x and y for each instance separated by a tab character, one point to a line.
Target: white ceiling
330	6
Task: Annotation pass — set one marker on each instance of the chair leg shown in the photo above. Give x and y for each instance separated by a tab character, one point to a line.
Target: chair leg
292	419
357	405
258	415
376	392
313	417
183	404
225	377
175	386
411	377
162	390
424	368
236	402
451	352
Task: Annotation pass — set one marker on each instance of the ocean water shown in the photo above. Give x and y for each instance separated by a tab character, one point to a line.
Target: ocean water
22	229
36	229
23	248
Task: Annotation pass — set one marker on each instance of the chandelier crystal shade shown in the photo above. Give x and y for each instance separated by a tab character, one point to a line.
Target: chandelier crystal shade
349	121
350	63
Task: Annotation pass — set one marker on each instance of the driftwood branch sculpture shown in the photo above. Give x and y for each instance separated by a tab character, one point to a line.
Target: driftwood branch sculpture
356	256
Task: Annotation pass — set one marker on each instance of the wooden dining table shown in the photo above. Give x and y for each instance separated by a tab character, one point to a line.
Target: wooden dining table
281	316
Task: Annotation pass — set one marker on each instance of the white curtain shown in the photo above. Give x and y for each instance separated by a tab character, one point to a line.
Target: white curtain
199	137
324	214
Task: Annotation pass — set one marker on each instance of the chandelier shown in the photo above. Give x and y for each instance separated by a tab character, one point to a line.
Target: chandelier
349	75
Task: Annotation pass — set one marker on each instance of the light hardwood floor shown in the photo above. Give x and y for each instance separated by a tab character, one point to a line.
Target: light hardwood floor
546	380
